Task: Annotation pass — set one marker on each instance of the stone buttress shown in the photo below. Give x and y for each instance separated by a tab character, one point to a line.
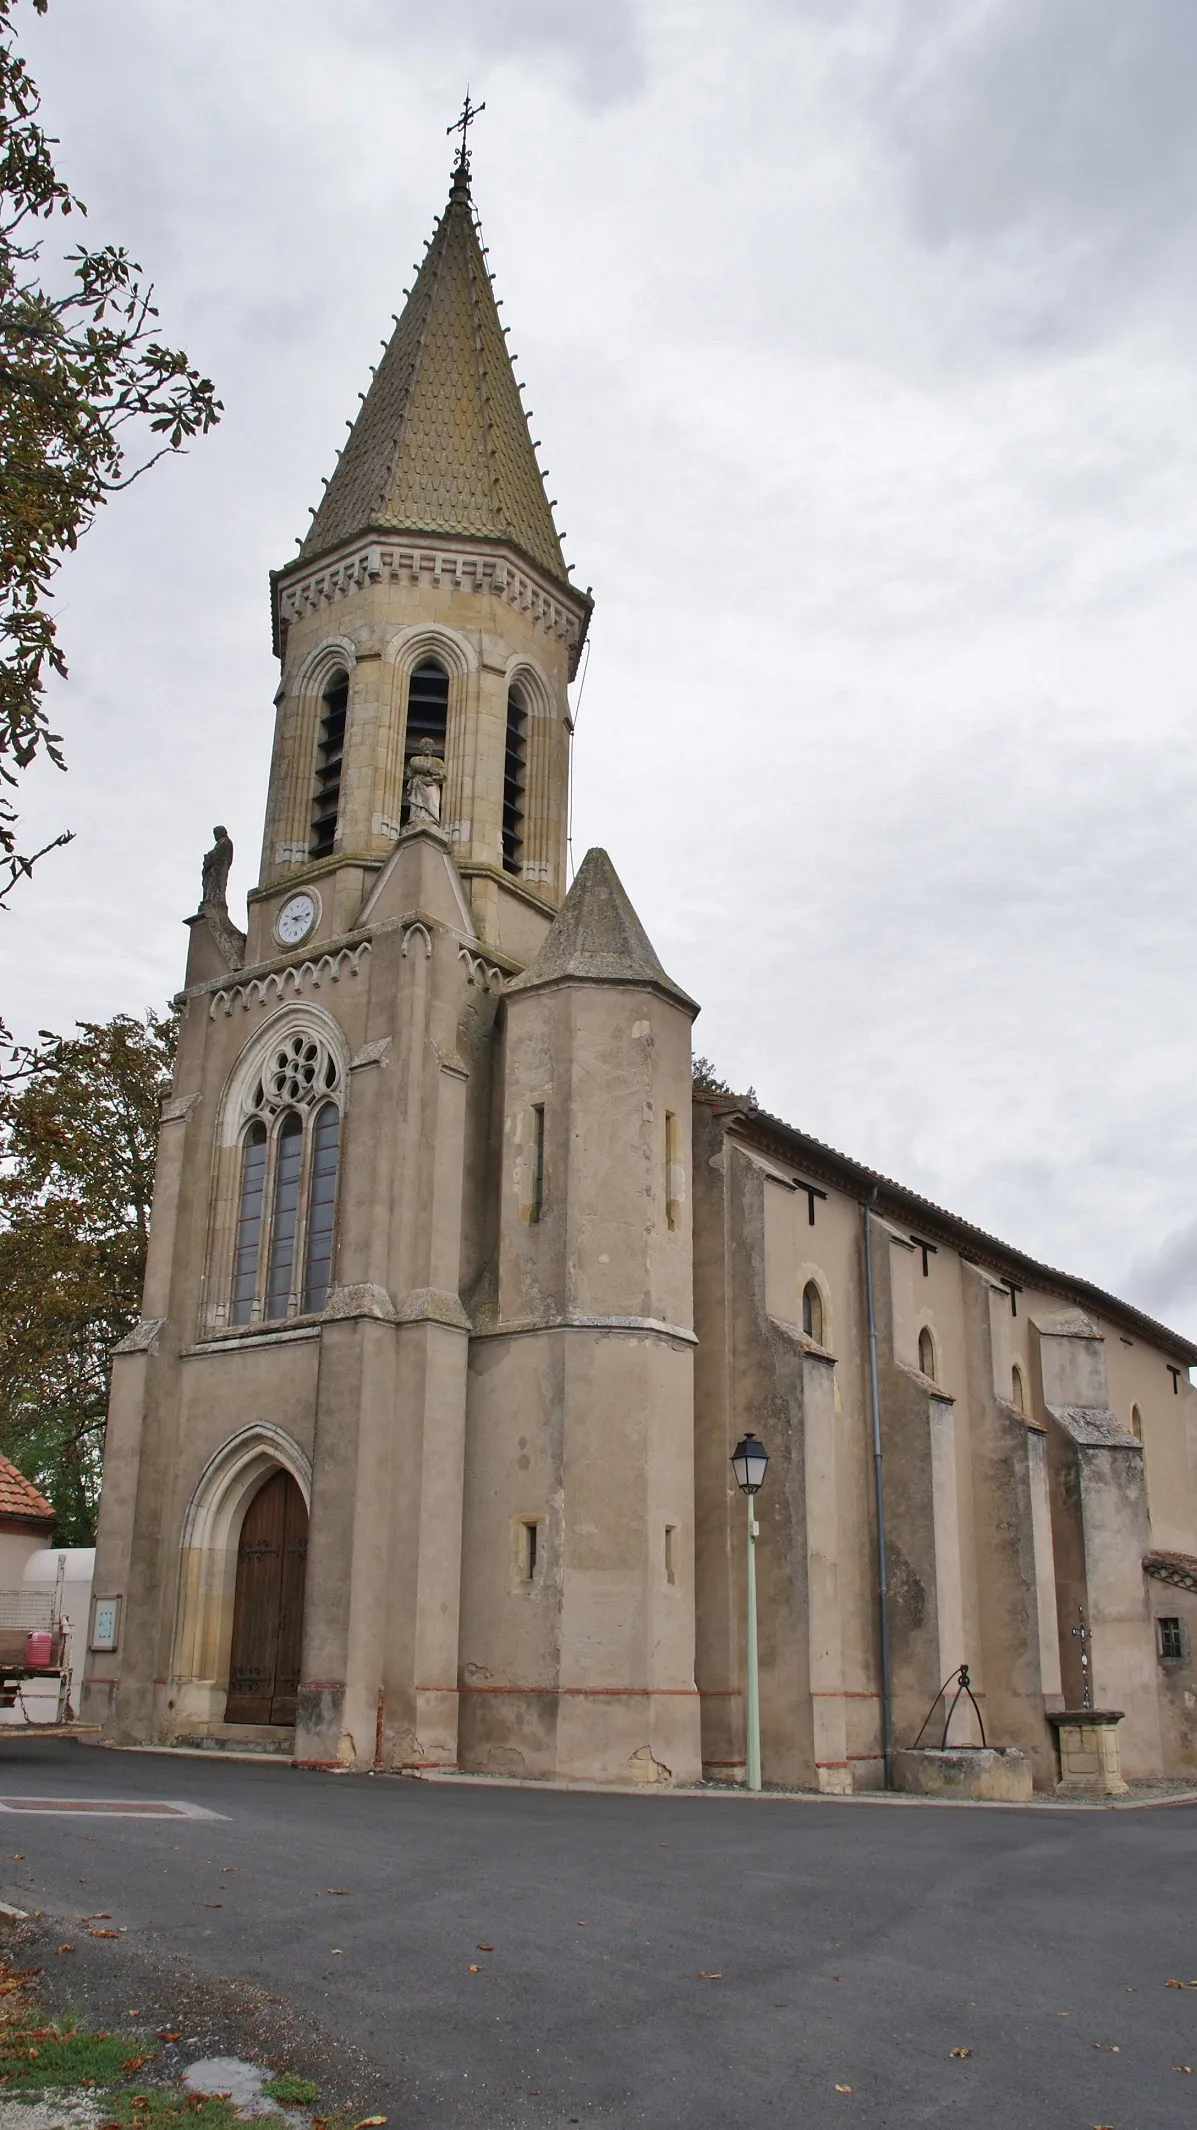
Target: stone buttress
577	1636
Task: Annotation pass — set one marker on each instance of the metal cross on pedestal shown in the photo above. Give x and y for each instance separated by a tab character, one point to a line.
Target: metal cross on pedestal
1082	1635
469	113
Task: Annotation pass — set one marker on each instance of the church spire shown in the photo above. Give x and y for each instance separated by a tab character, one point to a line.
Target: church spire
441	444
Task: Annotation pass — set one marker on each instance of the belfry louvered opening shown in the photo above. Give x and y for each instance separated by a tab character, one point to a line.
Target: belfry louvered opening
427	716
330	749
515	778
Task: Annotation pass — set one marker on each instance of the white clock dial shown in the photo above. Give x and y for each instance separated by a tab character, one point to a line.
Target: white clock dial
295	919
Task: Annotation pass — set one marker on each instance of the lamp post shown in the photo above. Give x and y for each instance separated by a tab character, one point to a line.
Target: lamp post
749	1463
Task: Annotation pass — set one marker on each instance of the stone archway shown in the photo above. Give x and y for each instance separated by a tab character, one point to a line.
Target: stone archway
208	1566
267	1638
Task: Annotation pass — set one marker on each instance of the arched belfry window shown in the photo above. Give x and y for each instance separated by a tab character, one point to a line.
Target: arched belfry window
927	1354
812	1312
515	777
330	750
427	715
290	1151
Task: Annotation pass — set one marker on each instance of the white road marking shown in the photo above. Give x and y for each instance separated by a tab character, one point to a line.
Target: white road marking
112	1807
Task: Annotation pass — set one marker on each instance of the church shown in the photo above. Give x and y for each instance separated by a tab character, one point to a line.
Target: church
461	1292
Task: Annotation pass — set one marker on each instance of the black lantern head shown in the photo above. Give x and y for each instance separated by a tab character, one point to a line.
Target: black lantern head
749	1460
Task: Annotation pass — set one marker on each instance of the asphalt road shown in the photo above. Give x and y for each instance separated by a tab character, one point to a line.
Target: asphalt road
709	1964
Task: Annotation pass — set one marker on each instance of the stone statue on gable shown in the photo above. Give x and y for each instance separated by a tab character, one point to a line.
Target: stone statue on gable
217	861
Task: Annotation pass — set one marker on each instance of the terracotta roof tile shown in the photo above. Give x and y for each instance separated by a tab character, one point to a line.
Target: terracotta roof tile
19	1496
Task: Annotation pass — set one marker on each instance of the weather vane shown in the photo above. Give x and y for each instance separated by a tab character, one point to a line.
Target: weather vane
469	113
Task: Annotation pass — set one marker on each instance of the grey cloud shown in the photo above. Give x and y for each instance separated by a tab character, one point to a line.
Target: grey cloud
1164	1280
601	45
1068	125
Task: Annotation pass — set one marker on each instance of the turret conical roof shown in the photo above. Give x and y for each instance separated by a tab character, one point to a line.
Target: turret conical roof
597	938
441	444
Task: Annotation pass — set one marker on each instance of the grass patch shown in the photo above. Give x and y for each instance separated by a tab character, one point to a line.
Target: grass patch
166	2108
51	2056
38	2055
292	2091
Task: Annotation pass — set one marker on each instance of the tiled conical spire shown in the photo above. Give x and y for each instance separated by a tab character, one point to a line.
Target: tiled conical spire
597	938
441	444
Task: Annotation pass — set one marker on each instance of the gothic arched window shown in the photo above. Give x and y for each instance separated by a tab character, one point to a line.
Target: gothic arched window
427	715
288	1191
249	1221
927	1354
515	775
812	1312
330	748
322	1198
284	1213
1018	1396
1136	1423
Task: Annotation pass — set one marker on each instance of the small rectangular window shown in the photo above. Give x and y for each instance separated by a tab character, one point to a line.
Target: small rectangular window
529	1548
675	1182
1172	1640
671	1553
538	1170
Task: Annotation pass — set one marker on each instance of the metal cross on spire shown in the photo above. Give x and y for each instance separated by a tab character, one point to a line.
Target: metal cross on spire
469	113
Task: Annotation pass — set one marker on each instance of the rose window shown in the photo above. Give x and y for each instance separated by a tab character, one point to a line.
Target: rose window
300	1071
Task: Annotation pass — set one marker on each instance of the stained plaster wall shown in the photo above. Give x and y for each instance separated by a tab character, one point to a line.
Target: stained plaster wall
1100	1533
581	1403
756	1369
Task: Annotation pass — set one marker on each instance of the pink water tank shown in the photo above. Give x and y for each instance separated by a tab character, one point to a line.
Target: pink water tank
39	1649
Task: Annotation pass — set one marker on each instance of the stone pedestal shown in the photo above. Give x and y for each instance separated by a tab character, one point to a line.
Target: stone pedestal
995	1774
1087	1742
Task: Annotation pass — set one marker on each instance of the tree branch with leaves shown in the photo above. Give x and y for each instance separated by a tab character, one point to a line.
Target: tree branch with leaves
78	1138
90	399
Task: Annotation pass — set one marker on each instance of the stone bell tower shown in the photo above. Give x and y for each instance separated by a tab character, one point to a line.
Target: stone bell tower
280	1544
429	607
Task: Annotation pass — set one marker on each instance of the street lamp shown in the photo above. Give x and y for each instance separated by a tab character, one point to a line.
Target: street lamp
749	1462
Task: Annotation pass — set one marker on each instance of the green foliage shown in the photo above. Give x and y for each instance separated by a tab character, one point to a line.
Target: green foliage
142	2107
81	378
52	2057
706	1078
292	2091
708	1082
77	1144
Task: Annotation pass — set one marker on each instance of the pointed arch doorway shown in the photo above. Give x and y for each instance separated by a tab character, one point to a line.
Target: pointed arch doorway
272	1554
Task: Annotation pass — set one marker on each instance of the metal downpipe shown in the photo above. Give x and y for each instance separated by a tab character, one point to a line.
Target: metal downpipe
887	1702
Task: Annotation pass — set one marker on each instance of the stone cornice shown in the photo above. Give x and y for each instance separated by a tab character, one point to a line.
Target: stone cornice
491	567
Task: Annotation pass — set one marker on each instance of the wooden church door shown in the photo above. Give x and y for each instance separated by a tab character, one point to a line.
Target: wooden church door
268	1606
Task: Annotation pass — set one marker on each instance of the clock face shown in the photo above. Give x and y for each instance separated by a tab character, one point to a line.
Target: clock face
295	919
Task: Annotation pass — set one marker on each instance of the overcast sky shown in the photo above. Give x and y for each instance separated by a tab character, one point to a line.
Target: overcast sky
861	338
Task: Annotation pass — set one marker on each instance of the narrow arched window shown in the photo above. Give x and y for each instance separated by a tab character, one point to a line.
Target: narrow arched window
427	716
515	776
322	1198
812	1312
288	1163
1018	1396
249	1222
927	1354
330	749
1136	1423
